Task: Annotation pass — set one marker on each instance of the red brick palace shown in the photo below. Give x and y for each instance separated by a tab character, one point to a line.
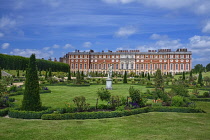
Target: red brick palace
130	61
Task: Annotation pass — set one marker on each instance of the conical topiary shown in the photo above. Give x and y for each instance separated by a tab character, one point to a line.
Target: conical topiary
31	98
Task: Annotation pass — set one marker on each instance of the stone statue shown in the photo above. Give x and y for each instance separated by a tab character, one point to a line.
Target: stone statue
110	72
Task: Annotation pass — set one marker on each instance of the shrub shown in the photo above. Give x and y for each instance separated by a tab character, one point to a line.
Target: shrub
79	101
206	94
4	112
13	113
178	101
104	94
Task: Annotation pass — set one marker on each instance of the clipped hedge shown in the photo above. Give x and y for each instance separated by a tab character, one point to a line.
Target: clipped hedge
94	115
13	113
4	112
176	109
201	99
112	114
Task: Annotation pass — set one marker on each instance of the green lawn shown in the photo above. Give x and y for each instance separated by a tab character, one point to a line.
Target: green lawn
65	94
153	125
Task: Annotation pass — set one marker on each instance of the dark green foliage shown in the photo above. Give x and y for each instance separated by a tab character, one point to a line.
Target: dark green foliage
142	75
183	76
31	98
69	74
114	102
201	99
46	74
200	78
81	104
18	73
148	77
191	76
125	78
104	94
78	78
136	96
159	81
50	73
208	67
179	88
28	114
206	94
198	68
0	72
20	63
4	112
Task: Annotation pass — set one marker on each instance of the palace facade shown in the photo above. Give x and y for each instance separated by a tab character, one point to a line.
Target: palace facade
130	60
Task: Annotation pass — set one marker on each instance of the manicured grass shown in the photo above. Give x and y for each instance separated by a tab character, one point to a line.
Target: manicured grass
153	125
65	94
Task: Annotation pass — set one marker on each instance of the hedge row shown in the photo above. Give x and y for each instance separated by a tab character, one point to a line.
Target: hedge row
201	99
112	114
4	112
28	114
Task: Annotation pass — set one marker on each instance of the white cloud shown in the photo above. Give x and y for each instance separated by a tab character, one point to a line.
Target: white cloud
87	44
28	52
126	31
162	44
5	45
56	46
6	22
158	37
46	48
200	42
206	28
1	34
68	46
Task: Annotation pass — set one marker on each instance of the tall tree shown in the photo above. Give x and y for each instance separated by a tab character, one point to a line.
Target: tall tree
31	98
69	74
125	78
159	81
46	74
183	76
208	67
200	78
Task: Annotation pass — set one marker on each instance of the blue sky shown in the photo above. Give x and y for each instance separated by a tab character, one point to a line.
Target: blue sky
52	28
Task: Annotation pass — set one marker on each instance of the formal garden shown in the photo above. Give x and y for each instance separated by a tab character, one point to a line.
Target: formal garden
35	101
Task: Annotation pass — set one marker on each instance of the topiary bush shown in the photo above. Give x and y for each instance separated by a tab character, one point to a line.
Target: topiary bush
4	112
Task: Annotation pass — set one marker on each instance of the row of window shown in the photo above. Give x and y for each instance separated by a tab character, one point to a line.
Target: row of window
131	66
137	56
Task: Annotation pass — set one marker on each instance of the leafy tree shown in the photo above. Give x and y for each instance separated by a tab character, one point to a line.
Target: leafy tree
206	79
198	68
136	97
31	98
200	78
179	88
125	78
208	67
183	76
